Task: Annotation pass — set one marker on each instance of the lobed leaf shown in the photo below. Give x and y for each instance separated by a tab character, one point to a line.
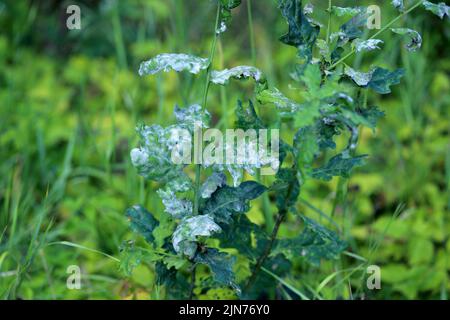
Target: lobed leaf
314	244
366	45
415	38
184	238
212	183
177	208
378	79
301	33
440	9
220	264
228	201
142	222
173	61
241	72
339	165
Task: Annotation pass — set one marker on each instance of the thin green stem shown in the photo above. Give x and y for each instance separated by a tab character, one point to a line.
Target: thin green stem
329	22
197	156
251	31
376	34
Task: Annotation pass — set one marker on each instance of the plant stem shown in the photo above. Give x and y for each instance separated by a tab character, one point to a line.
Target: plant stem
329	22
252	34
377	33
192	287
198	167
281	215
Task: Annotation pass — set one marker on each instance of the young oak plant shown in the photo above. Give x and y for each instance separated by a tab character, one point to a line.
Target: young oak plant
204	221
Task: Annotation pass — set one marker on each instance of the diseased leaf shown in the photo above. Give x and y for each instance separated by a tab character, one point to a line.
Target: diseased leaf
184	238
366	45
130	257
214	181
398	4
415	38
288	188
240	72
153	158
173	61
324	49
246	118
225	9
347	11
177	208
378	79
227	201
283	103
190	116
314	244
305	146
339	165
352	29
440	9
372	114
301	34
220	264
142	222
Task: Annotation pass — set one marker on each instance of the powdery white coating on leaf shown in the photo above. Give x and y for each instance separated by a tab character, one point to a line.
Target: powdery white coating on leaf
308	9
222	28
138	157
361	78
347	11
279	99
416	39
222	77
177	208
214	181
173	61
185	236
367	45
192	115
440	9
398	4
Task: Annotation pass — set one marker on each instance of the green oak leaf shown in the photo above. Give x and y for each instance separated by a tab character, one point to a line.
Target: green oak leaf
246	118
220	264
366	45
227	201
142	222
314	244
440	9
177	208
185	237
339	165
301	34
214	181
415	39
173	61
241	72
378	79
398	4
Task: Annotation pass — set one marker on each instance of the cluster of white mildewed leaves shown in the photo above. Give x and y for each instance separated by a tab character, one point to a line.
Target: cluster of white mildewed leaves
327	108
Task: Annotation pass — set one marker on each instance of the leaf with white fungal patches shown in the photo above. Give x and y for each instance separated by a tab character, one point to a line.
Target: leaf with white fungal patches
185	237
142	222
177	208
440	9
398	4
415	39
277	98
346	11
220	264
339	165
378	79
214	181
366	45
240	72
173	61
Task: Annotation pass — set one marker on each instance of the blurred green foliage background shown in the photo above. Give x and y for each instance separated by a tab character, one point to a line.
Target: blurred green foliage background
69	103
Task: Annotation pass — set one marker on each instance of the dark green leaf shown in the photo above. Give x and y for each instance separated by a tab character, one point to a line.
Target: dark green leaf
227	201
288	188
302	34
339	165
142	222
247	117
220	264
314	244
